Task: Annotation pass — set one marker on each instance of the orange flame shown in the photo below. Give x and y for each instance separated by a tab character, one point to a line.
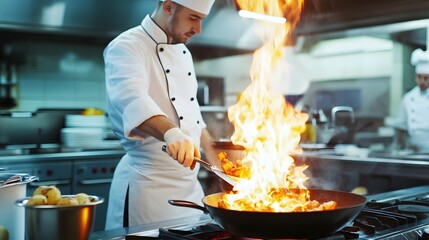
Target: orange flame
267	126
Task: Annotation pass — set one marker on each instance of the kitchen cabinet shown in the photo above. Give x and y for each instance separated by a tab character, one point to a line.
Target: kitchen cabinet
49	173
94	176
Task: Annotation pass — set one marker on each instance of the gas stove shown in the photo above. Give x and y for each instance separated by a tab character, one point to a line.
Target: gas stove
395	215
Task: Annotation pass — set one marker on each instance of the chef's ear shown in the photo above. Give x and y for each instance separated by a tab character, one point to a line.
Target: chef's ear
168	7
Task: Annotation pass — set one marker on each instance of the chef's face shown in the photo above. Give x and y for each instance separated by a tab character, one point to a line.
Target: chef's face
184	23
422	81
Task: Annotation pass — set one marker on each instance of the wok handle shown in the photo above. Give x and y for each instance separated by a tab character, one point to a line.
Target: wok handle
188	204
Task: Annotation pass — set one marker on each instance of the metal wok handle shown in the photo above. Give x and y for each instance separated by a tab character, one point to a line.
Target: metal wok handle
188	204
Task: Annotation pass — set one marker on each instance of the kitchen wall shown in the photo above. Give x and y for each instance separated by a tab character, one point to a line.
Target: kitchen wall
356	63
67	75
59	75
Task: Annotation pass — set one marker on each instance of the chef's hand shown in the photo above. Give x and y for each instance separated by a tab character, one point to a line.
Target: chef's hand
181	147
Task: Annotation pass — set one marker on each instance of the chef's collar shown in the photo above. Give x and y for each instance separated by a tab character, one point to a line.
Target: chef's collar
155	32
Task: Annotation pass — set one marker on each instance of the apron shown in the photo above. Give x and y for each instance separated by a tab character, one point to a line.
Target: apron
420	139
151	176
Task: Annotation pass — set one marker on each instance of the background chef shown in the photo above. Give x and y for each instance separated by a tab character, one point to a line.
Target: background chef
151	91
412	120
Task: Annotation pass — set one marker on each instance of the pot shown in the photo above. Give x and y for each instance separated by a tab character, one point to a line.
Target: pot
44	222
13	187
284	225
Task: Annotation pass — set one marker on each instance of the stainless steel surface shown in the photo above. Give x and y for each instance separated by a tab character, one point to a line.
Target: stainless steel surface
13	178
59	222
327	169
337	110
104	19
398	155
407	231
90	172
9	159
48	173
6	178
402	20
40	129
227	178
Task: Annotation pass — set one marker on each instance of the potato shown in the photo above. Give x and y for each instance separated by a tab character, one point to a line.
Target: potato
53	196
4	234
52	193
41	190
67	201
82	198
37	200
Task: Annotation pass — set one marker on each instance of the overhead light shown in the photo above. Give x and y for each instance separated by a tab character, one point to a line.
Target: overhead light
259	16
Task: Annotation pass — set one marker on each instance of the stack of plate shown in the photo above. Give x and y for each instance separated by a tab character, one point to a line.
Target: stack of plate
87	132
86	137
86	121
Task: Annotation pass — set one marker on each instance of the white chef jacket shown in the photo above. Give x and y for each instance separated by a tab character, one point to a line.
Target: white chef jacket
413	117
146	77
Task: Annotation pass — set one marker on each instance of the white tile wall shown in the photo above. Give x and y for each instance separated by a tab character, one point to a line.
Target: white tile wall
356	61
60	75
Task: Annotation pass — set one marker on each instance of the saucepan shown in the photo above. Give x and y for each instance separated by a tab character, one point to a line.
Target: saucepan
273	225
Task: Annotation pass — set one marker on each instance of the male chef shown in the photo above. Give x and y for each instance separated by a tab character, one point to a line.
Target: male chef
151	98
413	115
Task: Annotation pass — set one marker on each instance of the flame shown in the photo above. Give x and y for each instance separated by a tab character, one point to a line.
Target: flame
267	126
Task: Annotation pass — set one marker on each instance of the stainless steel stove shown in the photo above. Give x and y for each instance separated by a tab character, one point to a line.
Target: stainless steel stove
397	215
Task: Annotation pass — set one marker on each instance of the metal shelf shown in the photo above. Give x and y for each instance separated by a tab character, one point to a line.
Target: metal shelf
214	109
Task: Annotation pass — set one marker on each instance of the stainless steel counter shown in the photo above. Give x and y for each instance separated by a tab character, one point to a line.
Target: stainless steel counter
395	159
329	170
76	155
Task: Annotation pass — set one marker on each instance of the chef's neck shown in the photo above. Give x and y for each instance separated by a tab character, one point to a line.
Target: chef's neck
161	16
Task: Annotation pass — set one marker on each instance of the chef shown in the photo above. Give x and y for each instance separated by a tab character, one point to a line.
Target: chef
413	116
151	102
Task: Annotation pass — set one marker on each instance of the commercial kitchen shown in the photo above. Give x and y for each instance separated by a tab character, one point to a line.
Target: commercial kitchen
348	68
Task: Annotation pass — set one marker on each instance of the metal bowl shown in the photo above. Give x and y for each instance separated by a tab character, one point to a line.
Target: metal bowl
59	222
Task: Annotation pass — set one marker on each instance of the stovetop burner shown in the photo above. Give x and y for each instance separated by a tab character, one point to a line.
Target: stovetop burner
212	231
396	215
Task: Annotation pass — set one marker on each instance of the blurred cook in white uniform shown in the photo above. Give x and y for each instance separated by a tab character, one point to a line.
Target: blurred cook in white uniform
151	102
412	121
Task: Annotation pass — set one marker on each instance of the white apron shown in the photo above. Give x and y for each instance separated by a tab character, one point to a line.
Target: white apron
146	77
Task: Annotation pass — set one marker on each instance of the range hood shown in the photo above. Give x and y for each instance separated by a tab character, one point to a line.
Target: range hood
402	20
224	31
101	20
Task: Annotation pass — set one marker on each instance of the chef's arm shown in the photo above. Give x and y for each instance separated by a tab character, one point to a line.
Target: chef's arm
400	138
156	126
207	142
180	146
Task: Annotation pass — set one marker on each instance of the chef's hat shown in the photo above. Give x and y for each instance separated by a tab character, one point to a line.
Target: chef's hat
420	60
201	6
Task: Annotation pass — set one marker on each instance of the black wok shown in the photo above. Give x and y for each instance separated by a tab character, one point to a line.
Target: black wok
288	224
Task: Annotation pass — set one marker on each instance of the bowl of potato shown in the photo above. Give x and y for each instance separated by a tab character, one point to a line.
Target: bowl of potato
51	215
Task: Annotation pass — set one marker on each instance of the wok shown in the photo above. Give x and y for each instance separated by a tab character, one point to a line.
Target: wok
286	224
